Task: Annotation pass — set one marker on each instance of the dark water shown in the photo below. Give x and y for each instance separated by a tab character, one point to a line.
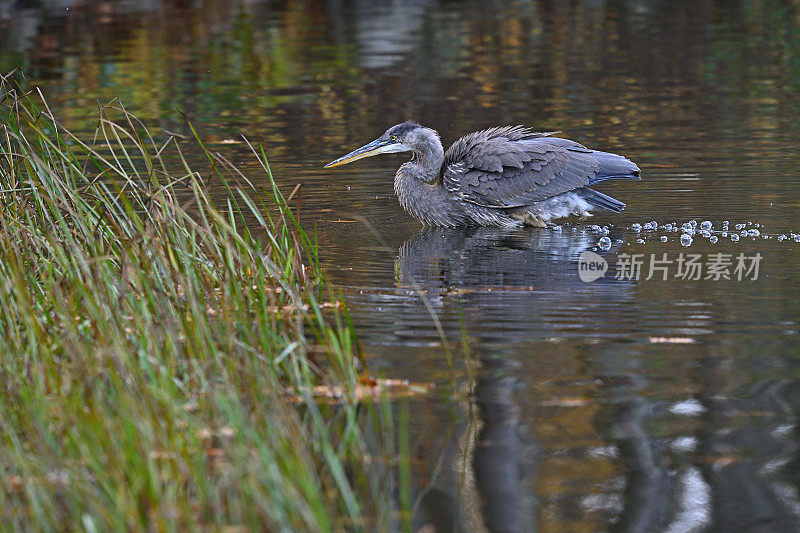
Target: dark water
639	405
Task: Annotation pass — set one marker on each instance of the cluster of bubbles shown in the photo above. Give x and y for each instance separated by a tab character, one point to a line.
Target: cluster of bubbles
605	241
687	232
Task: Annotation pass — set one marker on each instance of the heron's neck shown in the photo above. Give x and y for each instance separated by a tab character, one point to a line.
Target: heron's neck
419	189
428	158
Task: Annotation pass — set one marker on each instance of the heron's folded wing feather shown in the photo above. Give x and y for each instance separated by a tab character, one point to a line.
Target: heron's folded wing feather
512	167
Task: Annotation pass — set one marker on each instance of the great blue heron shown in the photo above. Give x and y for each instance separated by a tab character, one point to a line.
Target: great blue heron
505	176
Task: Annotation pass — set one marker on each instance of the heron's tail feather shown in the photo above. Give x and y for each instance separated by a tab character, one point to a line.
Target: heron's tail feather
614	167
602	200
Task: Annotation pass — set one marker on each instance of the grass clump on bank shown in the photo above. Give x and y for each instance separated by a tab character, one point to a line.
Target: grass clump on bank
149	339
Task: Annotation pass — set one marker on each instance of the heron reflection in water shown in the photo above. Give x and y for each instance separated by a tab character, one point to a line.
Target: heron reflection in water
510	289
506	176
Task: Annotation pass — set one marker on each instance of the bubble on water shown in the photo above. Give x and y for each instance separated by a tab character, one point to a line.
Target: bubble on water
654	224
649	225
781	238
713	238
604	230
758	225
686	227
739	226
594	227
640	241
604	243
636	227
734	237
663	238
705	233
797	238
754	232
693	223
743	233
706	224
724	233
686	239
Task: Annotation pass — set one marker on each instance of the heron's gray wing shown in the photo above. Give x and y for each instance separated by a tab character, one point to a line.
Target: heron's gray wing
513	167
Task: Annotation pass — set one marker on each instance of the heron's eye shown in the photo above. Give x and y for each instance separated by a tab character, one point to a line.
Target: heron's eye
393	138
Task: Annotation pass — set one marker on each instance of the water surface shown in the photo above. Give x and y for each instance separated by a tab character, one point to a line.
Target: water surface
618	404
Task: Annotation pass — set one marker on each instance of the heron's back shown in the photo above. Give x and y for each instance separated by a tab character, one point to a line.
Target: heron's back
512	167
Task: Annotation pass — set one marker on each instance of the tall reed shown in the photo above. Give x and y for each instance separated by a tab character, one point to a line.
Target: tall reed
159	348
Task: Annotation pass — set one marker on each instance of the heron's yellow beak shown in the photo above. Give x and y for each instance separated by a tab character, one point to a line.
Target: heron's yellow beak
368	150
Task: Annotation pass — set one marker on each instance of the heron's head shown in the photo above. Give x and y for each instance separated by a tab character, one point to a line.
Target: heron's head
404	137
